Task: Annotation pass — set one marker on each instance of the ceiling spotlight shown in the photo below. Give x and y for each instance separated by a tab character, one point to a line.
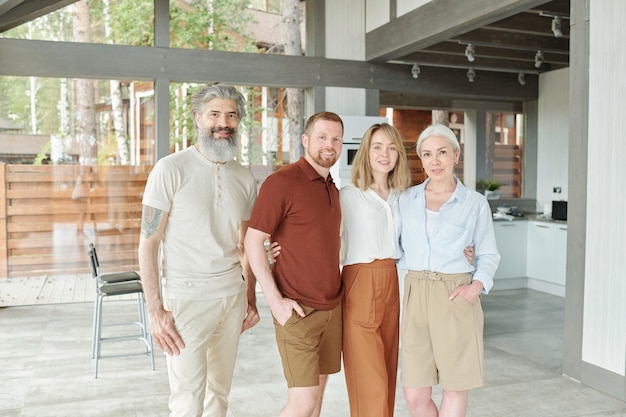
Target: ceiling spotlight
471	74
521	78
469	52
538	59
415	70
556	26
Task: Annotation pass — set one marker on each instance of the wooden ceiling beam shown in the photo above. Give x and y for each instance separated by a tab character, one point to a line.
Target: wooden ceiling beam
100	61
500	63
489	51
528	23
510	40
437	21
22	11
557	7
408	100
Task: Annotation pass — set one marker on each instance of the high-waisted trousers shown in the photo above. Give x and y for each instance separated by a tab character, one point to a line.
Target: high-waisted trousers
371	314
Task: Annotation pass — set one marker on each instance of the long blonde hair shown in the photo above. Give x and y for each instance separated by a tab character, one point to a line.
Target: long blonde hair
399	177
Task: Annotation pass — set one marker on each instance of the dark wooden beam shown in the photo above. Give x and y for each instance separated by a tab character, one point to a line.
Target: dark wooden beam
482	62
556	7
401	100
513	40
437	21
99	61
19	12
529	23
489	51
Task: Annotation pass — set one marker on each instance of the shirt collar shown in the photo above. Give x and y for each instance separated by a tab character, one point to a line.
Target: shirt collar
459	194
310	172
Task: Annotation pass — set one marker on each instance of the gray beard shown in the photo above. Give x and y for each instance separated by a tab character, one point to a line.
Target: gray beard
217	150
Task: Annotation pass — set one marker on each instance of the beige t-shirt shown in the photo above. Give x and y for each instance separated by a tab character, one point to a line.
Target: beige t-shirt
206	203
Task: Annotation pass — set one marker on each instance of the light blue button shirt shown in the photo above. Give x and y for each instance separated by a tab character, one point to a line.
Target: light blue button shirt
465	219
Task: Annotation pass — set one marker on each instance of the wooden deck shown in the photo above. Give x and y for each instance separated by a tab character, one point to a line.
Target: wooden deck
49	289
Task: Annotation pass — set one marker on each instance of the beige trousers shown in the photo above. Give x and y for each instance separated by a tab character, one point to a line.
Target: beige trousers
200	377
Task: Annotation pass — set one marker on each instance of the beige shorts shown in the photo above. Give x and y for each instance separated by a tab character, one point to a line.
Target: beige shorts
442	339
310	346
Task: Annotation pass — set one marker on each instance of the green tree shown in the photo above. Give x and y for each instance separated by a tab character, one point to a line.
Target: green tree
291	20
198	24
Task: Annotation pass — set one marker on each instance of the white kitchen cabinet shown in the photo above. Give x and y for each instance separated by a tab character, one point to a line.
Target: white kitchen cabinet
546	256
560	254
511	241
541	243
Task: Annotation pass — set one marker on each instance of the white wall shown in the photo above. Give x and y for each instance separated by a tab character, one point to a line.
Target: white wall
604	315
552	136
345	39
376	13
345	29
346	100
405	6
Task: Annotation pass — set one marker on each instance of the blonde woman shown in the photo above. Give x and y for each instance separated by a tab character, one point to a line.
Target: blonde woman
369	250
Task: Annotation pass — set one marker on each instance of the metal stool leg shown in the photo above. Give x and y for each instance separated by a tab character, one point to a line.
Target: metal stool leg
98	332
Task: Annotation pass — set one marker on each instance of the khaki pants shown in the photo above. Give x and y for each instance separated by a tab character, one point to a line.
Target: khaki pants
370	337
200	377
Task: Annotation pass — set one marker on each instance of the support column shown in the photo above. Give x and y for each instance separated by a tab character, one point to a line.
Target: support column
577	186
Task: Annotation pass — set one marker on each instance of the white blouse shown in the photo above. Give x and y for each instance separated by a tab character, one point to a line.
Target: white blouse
370	226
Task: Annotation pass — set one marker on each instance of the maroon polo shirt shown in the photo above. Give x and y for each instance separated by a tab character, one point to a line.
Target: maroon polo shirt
300	210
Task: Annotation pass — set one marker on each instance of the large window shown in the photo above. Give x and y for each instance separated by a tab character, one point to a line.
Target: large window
121	22
75	153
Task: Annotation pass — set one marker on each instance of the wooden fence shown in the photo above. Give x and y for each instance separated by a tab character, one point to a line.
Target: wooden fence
507	170
49	214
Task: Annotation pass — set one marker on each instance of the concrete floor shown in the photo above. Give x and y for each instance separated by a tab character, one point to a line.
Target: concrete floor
46	367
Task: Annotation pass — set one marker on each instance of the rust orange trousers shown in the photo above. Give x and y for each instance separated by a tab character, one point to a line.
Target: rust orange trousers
371	315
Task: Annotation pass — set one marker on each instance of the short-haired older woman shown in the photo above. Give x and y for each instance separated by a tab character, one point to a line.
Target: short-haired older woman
442	319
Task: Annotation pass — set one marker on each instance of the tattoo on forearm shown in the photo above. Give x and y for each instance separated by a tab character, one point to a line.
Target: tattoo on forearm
150	219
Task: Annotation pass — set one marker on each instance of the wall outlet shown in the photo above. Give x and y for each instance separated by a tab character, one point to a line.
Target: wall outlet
556	190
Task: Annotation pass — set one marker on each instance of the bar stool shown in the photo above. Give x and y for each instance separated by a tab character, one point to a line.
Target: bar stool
109	285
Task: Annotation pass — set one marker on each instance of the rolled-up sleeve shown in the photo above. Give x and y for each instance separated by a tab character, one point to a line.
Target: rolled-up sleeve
486	254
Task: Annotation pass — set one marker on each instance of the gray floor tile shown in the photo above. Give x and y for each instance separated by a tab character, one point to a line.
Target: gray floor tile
46	367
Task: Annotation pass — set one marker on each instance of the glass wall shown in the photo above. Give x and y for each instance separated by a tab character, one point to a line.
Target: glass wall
75	157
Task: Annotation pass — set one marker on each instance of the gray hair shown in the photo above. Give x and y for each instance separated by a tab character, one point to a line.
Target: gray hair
200	98
441	131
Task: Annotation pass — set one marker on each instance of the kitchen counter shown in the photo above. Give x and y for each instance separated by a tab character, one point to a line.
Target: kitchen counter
541	218
537	217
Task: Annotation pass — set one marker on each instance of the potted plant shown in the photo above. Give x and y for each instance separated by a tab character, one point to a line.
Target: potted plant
488	187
